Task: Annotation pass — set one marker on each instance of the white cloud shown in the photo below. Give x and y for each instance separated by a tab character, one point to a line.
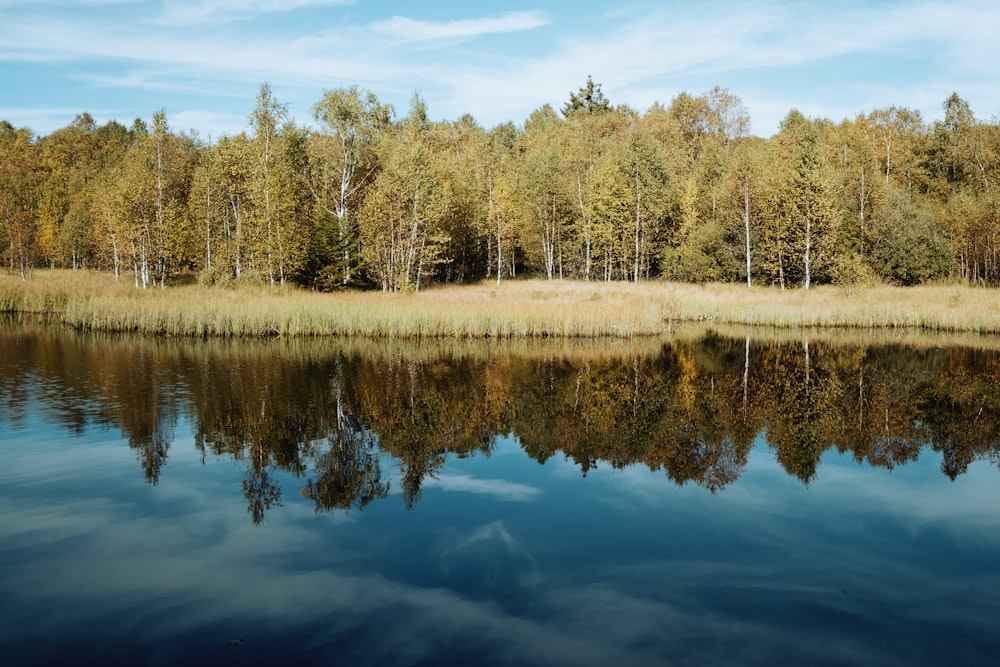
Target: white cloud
831	61
498	488
186	12
408	29
70	3
652	56
207	124
41	119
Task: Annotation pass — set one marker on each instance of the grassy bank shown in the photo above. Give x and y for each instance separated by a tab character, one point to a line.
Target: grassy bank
516	309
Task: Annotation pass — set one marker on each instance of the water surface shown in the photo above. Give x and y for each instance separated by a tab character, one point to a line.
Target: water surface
704	500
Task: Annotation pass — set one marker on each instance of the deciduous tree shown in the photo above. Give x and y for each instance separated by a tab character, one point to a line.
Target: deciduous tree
342	161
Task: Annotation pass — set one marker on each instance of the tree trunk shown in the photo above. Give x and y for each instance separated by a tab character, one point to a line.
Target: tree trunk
208	228
746	374
808	247
746	222
638	224
585	219
781	269
861	212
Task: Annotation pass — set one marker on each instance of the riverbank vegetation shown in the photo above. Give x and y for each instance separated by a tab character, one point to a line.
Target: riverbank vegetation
594	192
95	301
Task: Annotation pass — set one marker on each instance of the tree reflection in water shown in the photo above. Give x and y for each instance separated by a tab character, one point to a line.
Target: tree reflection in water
334	415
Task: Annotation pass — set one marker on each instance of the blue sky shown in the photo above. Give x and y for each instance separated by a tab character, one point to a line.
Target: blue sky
203	60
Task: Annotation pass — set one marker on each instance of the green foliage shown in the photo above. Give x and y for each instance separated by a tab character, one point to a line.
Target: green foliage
402	221
216	276
705	257
850	269
21	179
908	246
333	262
594	192
589	100
251	278
808	209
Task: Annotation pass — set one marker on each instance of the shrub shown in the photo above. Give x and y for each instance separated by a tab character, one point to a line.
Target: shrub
908	245
251	277
215	275
705	257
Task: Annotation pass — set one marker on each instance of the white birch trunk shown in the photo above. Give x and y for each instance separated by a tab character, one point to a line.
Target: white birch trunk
746	222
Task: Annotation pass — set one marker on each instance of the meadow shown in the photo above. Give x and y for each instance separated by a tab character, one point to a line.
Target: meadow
95	301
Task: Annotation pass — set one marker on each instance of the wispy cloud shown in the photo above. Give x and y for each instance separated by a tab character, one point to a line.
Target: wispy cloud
408	29
184	12
498	488
70	3
831	61
35	118
493	532
207	124
799	55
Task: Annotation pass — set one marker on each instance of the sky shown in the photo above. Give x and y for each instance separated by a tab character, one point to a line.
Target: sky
203	61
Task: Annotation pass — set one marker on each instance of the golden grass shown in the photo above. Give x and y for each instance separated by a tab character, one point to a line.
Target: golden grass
93	301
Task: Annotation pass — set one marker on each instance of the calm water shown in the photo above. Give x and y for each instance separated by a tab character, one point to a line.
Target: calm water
712	501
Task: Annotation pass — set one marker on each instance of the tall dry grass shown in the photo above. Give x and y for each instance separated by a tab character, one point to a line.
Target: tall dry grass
515	309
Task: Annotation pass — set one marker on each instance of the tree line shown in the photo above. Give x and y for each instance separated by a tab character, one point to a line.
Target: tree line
363	198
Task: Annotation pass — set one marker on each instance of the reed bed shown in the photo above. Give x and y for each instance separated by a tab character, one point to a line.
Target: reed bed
92	301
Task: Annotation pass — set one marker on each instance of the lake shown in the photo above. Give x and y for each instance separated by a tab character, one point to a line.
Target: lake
709	499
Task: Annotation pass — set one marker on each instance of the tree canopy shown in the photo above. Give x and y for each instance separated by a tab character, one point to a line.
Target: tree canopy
363	198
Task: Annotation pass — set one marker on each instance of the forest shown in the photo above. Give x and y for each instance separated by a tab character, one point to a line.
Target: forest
363	198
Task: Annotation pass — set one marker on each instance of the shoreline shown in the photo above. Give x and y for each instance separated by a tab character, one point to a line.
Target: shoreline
94	301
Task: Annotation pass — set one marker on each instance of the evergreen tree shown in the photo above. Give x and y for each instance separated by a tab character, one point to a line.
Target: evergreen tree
588	99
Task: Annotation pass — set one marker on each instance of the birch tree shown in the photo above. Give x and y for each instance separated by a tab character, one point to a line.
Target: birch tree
265	120
641	161
232	162
586	137
64	218
545	199
496	179
401	217
342	162
749	181
860	190
808	206
21	179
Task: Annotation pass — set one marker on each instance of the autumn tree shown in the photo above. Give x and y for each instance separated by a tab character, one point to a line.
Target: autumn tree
21	179
702	132
860	192
965	161
907	244
895	134
265	121
546	201
807	205
641	164
230	165
65	226
146	201
747	193
342	161
588	141
401	218
495	177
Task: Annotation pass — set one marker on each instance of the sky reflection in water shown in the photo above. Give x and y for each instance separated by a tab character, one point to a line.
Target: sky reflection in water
500	560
